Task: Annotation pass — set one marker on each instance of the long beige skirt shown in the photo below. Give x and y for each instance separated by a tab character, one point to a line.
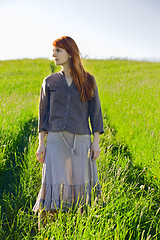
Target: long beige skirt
68	174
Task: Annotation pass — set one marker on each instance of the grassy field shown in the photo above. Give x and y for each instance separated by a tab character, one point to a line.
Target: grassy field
130	95
128	166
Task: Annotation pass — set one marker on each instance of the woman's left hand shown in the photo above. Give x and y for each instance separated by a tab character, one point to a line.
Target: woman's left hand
95	151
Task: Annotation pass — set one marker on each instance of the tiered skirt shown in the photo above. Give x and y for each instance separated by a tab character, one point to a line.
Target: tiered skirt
68	175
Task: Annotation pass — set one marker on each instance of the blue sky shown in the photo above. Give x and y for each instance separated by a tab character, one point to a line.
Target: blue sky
101	28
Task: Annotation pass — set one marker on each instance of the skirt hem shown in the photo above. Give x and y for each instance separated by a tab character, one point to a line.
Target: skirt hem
67	196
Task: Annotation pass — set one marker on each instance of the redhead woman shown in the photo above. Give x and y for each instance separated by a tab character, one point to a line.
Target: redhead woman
69	100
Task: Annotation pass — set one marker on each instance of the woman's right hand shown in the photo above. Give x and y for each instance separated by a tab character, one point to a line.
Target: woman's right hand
40	154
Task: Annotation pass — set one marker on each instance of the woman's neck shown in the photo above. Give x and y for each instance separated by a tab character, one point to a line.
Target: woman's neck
66	70
67	74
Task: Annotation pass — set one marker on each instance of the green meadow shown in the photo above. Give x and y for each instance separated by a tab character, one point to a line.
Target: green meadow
128	166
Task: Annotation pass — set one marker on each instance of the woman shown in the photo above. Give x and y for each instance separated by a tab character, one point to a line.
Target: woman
68	99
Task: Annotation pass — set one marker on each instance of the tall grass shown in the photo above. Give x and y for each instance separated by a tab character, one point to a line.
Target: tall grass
19	96
129	206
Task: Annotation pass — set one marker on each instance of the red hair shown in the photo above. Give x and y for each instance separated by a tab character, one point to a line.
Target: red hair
83	80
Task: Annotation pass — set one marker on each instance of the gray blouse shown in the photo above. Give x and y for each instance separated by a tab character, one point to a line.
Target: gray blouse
60	108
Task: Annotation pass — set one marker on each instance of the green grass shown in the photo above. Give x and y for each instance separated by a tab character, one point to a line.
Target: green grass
128	165
130	96
20	87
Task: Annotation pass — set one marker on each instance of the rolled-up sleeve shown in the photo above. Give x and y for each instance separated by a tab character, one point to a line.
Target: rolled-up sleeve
95	113
43	106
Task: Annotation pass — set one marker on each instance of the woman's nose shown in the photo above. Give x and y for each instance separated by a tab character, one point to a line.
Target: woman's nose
54	54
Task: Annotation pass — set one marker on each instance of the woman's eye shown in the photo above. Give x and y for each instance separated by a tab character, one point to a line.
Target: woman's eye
58	50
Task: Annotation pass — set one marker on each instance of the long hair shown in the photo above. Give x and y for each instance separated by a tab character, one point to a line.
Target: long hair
83	80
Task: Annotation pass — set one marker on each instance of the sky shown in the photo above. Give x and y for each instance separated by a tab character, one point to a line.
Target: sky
101	28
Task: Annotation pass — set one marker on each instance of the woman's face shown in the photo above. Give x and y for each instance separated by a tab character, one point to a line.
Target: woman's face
61	56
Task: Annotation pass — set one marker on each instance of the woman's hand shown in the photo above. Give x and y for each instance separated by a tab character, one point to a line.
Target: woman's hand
95	149
40	154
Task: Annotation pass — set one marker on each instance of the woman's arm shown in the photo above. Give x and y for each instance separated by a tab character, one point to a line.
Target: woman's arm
40	154
43	111
43	106
95	113
95	149
96	120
